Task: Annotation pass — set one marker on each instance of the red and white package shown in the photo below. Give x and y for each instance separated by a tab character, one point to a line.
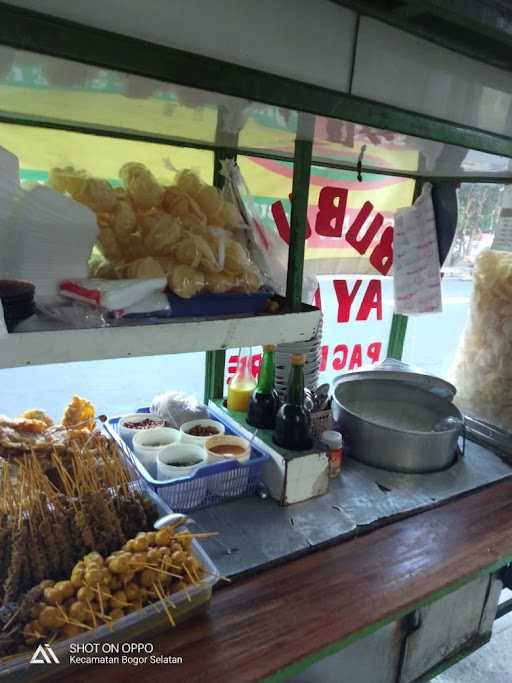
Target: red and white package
114	295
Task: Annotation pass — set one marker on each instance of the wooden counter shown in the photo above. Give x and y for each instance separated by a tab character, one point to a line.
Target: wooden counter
292	614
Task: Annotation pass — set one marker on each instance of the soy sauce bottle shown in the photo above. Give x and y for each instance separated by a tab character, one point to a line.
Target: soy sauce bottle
264	402
293	421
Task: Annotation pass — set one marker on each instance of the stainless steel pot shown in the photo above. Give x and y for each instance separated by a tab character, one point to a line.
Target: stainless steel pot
396	425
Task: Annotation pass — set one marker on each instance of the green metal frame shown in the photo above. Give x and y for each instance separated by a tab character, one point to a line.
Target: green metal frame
298	216
216	360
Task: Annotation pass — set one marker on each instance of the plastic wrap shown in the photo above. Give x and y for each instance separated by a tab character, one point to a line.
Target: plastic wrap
483	371
176	408
263	244
47	237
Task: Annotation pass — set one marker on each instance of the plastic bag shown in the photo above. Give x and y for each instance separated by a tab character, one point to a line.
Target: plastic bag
176	408
265	246
482	370
187	231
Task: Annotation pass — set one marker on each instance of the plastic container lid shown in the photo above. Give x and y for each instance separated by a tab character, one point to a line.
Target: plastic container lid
332	439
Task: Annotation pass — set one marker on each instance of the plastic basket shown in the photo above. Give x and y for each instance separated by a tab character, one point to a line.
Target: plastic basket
209	485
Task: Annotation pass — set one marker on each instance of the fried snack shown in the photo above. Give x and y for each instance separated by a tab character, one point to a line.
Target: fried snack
194	251
188	181
210	201
482	371
186	281
229	217
236	258
187	252
78	411
108	245
250	281
168	263
141	185
123	219
179	204
163	234
219	283
24	424
67	179
36	414
147	267
97	194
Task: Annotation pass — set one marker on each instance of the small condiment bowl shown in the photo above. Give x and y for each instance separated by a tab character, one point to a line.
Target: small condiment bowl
179	460
147	443
200	440
127	433
237	481
242	446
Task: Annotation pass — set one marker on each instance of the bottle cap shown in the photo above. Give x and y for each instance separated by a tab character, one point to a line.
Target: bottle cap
298	359
269	347
332	439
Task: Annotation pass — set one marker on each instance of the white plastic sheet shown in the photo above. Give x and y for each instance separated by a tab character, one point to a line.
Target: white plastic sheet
47	238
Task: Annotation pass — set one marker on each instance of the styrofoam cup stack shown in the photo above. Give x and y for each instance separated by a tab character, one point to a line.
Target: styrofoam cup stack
312	351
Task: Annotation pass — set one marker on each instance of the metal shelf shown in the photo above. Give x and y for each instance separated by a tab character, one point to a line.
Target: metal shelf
186	336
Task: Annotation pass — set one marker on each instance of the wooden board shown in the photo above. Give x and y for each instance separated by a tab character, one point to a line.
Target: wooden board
285	618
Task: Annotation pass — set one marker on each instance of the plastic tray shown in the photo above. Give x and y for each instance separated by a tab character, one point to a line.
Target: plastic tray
209	485
232	303
141	624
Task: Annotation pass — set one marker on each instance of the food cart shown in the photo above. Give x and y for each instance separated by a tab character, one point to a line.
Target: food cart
384	580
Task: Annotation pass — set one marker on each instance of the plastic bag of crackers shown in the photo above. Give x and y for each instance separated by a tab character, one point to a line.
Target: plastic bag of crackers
188	231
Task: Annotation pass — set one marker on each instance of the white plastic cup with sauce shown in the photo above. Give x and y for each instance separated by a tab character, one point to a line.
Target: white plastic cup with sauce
175	462
147	444
233	483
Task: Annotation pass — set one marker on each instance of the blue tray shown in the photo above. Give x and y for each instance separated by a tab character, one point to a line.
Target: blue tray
231	303
209	485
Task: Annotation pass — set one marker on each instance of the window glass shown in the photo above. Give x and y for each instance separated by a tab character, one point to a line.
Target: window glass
356	299
115	387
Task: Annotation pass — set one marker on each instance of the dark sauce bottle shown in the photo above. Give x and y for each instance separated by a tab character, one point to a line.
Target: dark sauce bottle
264	402
293	421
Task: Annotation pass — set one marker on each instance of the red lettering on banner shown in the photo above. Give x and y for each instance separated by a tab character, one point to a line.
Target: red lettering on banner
329	223
372	300
373	351
330	216
339	363
323	358
356	359
341	353
362	243
345	298
382	256
317	299
282	224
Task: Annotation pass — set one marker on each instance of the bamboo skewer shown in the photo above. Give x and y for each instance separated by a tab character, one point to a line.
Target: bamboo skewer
161	596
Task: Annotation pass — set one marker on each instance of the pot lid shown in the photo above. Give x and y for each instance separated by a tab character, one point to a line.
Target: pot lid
392	369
